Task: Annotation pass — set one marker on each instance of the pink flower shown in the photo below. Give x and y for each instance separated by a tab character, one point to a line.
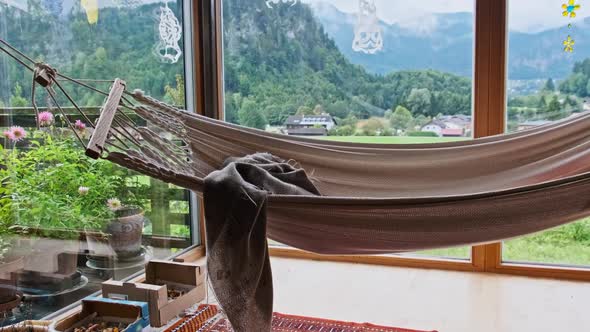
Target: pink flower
114	204
45	119
8	135
83	191
79	125
18	133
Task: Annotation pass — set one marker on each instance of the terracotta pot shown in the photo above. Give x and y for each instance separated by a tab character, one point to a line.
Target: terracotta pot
126	231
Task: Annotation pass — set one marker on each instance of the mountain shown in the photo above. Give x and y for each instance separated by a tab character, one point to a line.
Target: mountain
445	42
280	61
121	43
541	55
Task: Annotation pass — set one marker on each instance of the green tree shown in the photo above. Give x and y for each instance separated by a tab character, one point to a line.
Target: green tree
233	103
318	110
342	131
350	120
338	109
372	127
554	110
420	101
387	114
401	119
577	84
549	86
250	115
17	100
304	110
541	105
420	121
175	95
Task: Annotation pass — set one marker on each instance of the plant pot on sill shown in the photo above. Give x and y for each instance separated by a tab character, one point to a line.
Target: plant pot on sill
126	232
123	235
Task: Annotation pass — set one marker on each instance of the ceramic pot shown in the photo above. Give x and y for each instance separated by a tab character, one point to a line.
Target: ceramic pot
126	231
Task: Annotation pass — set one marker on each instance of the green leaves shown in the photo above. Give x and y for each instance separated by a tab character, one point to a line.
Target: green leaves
41	186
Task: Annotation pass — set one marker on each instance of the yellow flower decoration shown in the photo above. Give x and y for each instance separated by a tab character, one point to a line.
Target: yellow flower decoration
569	44
570	8
91	8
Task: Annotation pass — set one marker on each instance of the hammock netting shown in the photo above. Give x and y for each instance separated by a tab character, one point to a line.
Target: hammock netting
375	198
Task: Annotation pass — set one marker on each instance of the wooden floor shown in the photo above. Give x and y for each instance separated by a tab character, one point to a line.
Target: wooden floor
429	299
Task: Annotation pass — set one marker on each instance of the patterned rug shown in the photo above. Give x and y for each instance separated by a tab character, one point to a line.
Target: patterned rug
209	319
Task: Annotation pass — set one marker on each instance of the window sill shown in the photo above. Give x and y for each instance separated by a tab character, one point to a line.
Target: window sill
192	254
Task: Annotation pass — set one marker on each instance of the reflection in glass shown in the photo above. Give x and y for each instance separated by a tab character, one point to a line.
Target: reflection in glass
68	222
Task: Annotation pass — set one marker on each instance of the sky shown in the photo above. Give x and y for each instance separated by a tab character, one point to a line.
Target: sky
524	15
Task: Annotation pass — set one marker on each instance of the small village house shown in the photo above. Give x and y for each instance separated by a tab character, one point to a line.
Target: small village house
309	125
449	126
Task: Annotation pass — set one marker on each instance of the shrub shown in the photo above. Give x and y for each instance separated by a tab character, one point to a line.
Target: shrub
342	131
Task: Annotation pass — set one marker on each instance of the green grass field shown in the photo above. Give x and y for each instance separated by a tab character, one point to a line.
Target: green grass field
566	245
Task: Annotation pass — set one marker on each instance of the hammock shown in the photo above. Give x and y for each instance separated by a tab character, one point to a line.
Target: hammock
376	198
393	198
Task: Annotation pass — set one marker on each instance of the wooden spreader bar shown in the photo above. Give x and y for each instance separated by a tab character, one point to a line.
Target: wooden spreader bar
103	125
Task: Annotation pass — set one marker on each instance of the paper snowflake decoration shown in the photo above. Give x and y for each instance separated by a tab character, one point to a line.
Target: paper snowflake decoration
570	8
367	32
569	44
168	48
269	3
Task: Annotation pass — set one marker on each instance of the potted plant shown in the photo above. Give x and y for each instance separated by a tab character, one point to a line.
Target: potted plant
58	195
11	259
125	231
37	168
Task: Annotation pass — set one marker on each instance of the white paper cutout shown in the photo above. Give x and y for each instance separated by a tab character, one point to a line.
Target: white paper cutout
269	3
168	47
367	32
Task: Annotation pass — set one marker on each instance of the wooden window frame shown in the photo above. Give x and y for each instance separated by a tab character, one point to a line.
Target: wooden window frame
489	107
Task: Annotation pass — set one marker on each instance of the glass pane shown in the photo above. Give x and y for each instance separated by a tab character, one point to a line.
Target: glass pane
371	71
547	83
68	222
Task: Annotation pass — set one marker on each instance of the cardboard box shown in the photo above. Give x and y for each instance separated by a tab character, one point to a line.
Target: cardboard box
136	314
160	276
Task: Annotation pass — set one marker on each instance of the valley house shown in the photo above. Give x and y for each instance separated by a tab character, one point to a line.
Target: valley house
309	125
450	126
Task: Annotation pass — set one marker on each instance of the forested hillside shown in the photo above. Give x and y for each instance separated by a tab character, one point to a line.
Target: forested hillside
280	61
120	45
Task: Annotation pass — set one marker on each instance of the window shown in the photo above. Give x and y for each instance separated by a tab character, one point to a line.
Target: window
547	83
67	222
347	70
